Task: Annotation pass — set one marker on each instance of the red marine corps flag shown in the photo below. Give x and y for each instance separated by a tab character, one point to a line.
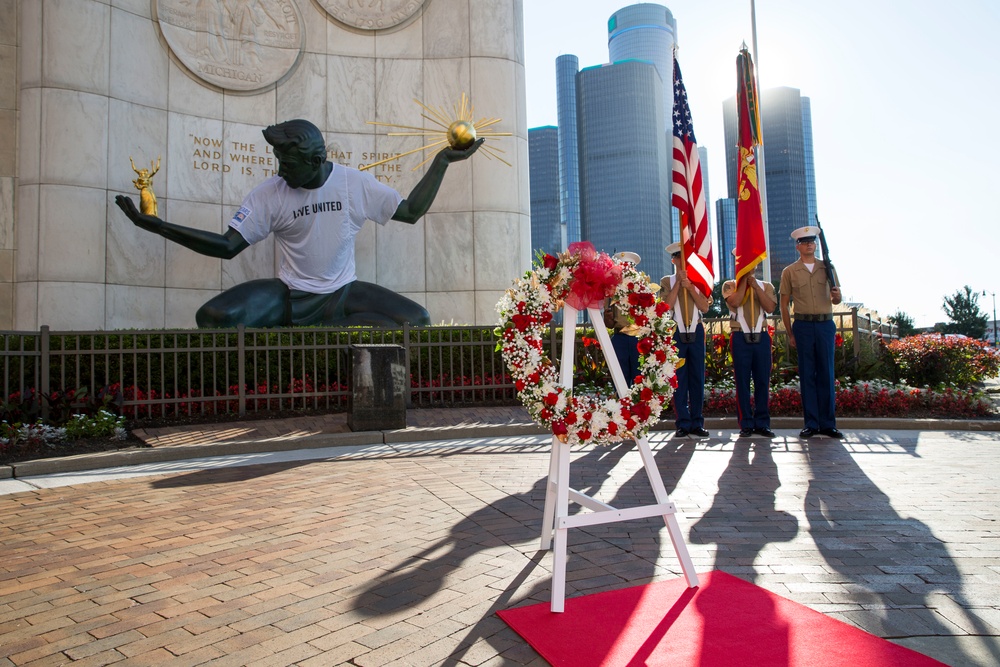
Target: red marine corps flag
751	243
688	193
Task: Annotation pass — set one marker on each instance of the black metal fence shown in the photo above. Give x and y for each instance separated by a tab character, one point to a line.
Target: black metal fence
162	374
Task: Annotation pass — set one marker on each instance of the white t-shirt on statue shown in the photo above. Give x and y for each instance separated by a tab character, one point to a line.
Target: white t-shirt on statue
314	230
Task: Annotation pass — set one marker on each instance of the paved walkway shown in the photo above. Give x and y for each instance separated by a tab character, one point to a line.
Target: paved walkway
399	553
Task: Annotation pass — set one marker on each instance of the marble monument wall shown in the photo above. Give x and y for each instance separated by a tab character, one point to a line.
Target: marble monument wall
192	83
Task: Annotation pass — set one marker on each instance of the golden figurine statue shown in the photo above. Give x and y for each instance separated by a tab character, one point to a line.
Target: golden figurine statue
144	184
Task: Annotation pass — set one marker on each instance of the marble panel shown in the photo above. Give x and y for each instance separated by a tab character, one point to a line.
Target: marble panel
451	308
190	95
524	185
140	68
137	7
350	150
74	138
303	94
30	139
72	233
399	174
494	183
6	266
140	134
518	31
25	306
400	256
8	22
486	307
406	41
364	252
448	243
344	41
397	83
30	50
527	253
247	162
8	142
520	129
315	25
134	255
8	76
72	306
350	94
131	307
497	249
26	233
445	79
75	40
180	306
492	28
256	108
446	29
186	268
195	162
7	306
8	205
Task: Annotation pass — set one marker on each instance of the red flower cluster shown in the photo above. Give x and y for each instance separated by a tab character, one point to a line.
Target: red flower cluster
595	278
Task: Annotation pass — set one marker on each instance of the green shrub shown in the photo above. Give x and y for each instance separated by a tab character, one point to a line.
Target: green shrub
932	360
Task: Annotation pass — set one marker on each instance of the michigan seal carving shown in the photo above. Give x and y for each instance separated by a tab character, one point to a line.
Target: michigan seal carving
234	44
371	14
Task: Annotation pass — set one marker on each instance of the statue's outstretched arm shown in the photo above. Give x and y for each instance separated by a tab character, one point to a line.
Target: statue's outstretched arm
416	204
226	245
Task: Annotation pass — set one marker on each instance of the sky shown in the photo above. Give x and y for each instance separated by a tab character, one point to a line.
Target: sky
904	97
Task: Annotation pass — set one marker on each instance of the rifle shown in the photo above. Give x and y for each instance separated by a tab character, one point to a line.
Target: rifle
830	277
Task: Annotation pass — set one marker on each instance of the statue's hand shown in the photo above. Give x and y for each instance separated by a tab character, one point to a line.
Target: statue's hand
450	155
148	222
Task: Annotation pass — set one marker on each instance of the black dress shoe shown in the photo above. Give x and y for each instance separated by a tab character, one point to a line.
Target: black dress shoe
808	433
831	433
700	432
746	432
681	433
766	432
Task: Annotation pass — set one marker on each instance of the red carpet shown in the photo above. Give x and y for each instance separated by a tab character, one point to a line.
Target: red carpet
724	622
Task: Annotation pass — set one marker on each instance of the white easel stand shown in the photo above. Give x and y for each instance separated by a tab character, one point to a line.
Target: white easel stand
555	518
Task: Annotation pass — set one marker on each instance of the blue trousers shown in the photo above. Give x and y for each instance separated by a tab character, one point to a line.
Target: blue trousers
627	350
815	344
690	394
752	361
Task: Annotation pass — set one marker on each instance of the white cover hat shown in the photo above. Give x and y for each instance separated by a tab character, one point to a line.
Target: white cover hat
673	247
631	257
803	232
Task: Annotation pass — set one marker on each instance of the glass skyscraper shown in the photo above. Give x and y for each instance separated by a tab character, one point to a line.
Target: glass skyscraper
725	216
569	157
646	32
790	178
625	176
543	175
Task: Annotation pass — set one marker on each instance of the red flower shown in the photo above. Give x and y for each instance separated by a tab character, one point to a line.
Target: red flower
645	346
612	428
643	299
587	342
646	394
521	305
661	356
546	414
642	411
838	340
551	398
661	308
583	434
519	385
570	417
559	428
550	262
673	381
546	317
522	322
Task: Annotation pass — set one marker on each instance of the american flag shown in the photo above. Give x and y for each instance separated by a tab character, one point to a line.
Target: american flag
688	193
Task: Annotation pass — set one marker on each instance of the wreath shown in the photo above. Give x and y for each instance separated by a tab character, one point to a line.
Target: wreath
582	278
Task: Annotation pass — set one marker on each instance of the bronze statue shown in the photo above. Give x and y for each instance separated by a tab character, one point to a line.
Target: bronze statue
144	184
314	208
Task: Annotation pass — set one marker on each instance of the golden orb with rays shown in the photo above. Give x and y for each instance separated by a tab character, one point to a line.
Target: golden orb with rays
461	134
458	132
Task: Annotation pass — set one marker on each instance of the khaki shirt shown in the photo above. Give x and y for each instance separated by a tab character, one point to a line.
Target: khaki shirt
809	291
750	307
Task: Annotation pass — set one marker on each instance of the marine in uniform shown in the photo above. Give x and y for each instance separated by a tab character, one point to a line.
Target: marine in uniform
812	332
687	305
749	304
624	339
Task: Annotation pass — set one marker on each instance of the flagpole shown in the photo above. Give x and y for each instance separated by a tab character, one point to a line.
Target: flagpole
759	149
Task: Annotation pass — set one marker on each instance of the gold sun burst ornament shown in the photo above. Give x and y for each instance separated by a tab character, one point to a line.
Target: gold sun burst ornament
457	130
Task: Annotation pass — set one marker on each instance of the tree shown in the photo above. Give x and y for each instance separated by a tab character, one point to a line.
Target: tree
718	307
962	308
903	322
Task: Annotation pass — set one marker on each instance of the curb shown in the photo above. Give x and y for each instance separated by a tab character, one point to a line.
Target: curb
140	456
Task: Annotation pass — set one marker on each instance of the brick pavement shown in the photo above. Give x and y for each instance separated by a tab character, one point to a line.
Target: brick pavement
402	558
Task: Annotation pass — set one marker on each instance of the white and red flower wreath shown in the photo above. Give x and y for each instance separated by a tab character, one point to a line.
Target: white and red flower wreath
582	278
